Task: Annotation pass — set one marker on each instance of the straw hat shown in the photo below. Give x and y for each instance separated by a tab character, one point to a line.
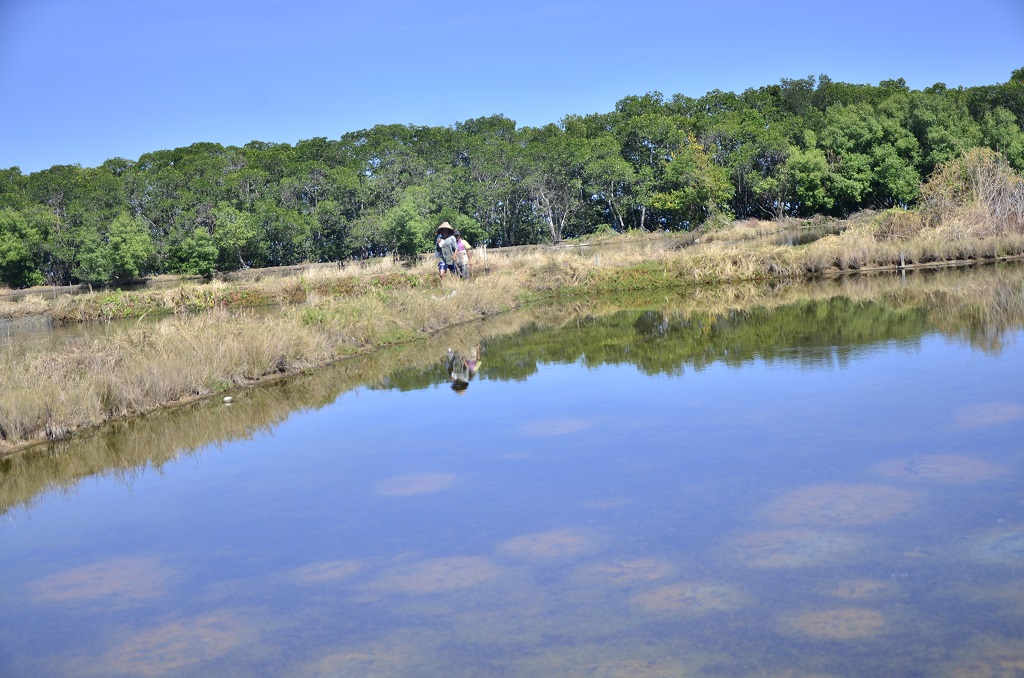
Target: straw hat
445	225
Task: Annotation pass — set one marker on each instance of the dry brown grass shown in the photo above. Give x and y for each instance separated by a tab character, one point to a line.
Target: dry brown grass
977	195
26	306
747	229
46	393
971	207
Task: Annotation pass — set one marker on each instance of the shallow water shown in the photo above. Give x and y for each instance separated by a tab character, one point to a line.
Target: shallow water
805	235
829	486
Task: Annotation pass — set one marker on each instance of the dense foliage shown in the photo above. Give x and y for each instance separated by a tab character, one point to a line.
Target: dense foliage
801	147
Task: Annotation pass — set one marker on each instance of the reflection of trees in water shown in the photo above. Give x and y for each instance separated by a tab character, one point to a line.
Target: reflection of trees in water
125	449
821	323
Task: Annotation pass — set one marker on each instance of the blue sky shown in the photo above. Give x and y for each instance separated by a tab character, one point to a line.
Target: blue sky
83	81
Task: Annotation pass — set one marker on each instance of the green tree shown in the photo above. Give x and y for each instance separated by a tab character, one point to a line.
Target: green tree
1001	131
556	177
405	228
648	133
492	164
23	235
124	252
607	177
12	188
695	188
283	237
808	177
943	127
196	254
235	237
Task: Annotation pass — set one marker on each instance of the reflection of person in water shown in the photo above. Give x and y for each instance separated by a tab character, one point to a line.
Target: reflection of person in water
462	369
473	361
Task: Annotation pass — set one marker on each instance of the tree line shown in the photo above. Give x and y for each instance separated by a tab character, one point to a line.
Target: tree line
797	148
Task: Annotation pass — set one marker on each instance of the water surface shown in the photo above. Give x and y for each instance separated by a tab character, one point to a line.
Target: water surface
819	484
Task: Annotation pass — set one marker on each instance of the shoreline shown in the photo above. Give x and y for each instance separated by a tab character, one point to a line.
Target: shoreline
202	351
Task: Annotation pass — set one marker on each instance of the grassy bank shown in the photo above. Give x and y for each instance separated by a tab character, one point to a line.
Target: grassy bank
209	344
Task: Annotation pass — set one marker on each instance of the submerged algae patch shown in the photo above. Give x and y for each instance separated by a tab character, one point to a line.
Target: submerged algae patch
437	574
1000	547
414	483
844	623
863	589
172	647
690	597
550	545
327	571
989	414
379	659
839	504
947	468
118	579
628	571
790	548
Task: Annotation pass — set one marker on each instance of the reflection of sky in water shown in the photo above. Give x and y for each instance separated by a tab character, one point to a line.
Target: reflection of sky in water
588	519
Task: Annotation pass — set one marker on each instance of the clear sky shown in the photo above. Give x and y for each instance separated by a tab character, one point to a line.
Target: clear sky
83	81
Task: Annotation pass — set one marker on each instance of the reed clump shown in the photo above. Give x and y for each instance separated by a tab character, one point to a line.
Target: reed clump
972	208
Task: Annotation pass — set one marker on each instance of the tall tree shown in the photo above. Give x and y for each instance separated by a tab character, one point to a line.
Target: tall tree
695	188
556	177
23	237
123	251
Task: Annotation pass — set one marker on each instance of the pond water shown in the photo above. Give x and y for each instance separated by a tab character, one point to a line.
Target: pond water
805	235
824	481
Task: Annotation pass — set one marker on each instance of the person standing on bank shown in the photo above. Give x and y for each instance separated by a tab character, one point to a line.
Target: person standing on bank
445	247
462	254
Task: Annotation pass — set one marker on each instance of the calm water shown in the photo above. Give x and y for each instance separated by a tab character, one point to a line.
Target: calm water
827	486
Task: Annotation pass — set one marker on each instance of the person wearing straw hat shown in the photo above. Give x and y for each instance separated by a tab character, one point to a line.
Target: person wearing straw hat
445	247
